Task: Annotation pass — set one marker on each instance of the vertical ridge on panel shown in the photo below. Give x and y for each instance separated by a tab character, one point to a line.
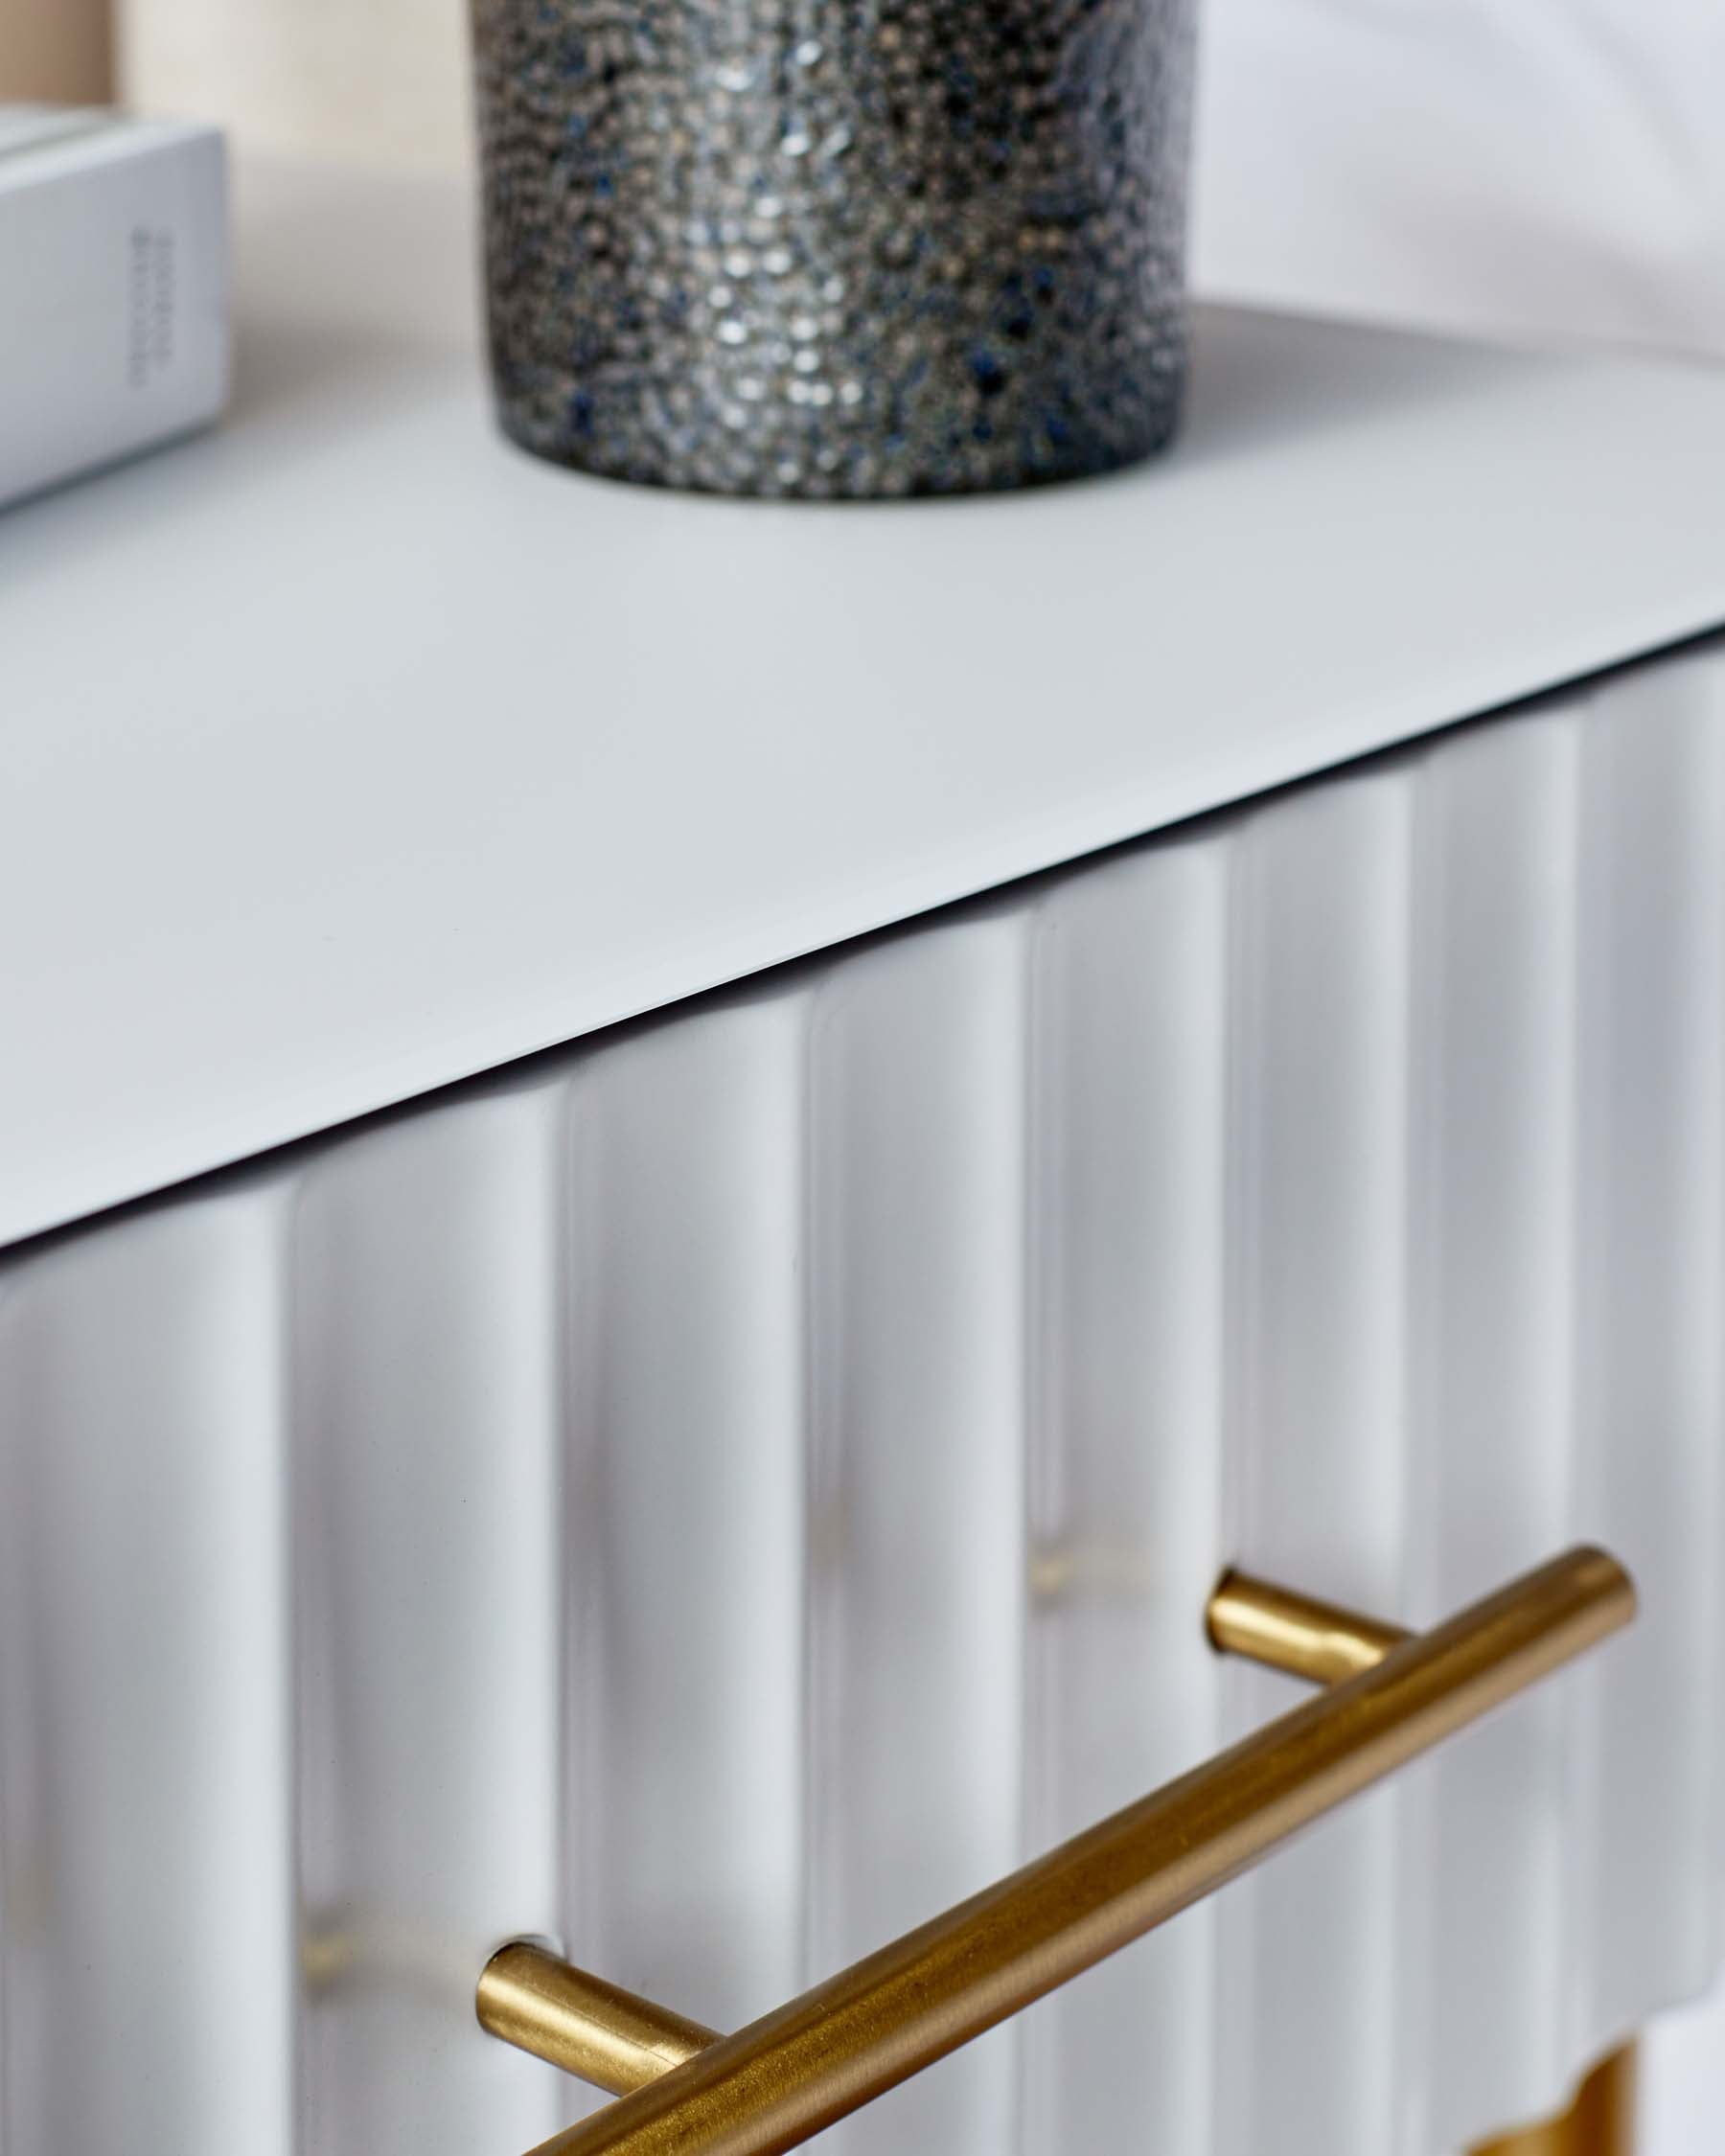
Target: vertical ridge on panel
1129	1045
686	1511
146	1717
1653	1286
428	1262
917	1516
1493	1398
1311	1946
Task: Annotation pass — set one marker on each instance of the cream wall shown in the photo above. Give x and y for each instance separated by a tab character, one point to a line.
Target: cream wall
384	82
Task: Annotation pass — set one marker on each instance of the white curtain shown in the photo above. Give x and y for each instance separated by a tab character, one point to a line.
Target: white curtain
1520	167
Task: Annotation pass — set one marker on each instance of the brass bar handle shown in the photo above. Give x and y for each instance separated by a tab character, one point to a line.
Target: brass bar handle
785	2077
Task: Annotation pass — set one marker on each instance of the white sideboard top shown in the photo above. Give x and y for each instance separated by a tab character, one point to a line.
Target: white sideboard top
349	752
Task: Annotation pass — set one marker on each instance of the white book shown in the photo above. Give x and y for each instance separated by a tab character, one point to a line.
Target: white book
113	289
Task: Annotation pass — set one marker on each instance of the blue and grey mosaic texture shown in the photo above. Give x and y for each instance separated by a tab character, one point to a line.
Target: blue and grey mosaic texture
837	247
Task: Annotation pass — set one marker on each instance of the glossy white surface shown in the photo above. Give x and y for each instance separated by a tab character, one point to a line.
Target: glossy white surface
350	752
726	1490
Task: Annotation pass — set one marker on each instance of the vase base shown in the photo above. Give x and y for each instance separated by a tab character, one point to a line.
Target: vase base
855	473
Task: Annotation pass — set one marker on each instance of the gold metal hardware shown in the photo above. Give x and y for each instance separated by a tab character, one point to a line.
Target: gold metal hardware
776	2083
1327	1644
604	2036
1599	2123
1308	1639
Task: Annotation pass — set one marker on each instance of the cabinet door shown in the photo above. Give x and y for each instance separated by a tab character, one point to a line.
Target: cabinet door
715	1495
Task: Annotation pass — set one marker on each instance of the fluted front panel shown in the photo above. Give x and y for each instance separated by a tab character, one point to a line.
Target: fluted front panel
717	1494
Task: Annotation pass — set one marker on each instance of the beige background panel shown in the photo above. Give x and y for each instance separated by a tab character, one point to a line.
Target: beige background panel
55	50
382	81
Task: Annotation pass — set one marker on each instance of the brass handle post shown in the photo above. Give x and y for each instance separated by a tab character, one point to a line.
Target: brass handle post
604	2035
785	2077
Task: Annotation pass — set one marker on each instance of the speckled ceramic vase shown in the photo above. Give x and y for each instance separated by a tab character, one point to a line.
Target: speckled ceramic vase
836	247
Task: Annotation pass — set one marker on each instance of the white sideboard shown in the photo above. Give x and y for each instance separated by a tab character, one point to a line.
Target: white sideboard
346	752
716	1489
